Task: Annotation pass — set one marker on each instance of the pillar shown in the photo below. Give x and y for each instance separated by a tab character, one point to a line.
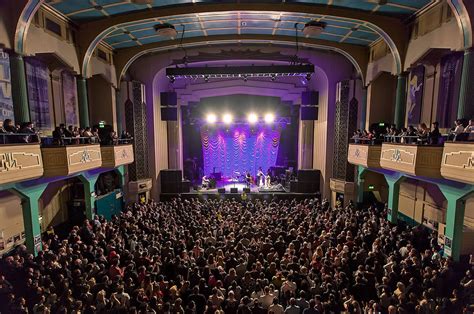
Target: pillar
19	89
89	181
400	100
30	197
119	112
363	109
466	91
360	184
83	101
393	193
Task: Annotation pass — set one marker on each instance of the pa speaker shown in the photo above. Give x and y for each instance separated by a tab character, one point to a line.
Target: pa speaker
234	190
169	99
309	113
169	114
247	190
221	190
310	98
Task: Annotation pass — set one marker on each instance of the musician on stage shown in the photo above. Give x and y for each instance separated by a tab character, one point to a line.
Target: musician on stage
248	179
268	179
205	183
260	177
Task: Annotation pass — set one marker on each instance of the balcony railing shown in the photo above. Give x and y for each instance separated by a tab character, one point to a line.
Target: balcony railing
418	160
117	155
364	153
19	162
458	161
69	159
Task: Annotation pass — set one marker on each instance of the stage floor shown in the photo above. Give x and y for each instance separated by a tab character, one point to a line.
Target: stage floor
240	186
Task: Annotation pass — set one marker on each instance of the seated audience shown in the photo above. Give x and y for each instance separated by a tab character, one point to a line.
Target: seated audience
27	128
434	135
226	256
422	133
458	131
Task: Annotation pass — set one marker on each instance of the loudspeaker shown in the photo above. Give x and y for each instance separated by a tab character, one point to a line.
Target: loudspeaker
185	186
168	99
171	176
294	186
171	187
234	190
247	190
309	113
221	190
310	98
169	114
308	175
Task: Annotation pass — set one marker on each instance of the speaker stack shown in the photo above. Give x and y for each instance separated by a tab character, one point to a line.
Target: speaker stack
308	181
171	181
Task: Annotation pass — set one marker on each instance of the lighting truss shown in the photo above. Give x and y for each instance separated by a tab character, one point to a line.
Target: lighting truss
277	121
244	72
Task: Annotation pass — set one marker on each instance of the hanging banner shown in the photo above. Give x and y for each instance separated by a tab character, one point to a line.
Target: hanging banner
448	95
415	95
37	76
70	98
6	102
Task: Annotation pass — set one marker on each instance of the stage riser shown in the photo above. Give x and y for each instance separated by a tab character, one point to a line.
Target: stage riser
252	196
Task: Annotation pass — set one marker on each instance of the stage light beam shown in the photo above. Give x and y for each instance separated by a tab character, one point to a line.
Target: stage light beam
269	118
211	118
252	118
227	118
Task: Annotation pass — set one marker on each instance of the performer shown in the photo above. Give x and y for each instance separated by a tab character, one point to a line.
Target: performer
268	179
260	177
248	179
205	183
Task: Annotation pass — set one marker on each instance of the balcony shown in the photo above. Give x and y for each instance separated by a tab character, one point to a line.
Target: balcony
66	160
365	155
19	162
458	161
118	155
417	160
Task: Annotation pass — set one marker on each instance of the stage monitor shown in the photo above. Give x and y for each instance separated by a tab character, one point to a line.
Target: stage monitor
309	113
168	99
310	98
169	114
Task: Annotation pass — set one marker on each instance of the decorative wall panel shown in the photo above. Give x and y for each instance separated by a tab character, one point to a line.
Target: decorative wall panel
458	162
114	156
364	155
20	162
66	160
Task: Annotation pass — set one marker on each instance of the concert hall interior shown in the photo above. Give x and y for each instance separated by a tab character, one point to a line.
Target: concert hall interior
249	156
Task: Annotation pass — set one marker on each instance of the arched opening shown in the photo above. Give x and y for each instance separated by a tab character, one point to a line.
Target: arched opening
108	189
374	188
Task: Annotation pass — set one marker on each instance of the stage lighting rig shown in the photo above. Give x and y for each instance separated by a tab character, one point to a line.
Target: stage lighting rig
252	118
211	118
227	118
269	118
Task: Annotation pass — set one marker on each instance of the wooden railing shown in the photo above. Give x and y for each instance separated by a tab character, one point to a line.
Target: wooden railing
364	155
19	162
118	155
66	160
458	161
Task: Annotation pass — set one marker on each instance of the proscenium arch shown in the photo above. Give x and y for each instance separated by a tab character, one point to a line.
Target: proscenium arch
92	33
130	55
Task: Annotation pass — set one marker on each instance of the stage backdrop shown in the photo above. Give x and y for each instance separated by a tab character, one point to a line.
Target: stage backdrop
239	149
6	102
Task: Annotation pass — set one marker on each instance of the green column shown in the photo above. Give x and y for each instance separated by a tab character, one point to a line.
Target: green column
30	197
363	111
360	184
89	181
83	101
400	100
466	91
19	89
393	193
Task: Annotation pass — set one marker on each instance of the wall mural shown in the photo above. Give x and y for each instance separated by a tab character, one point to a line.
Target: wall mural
239	149
6	102
415	95
37	76
70	98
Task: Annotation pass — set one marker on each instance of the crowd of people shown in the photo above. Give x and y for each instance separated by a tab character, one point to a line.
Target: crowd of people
72	135
462	131
229	256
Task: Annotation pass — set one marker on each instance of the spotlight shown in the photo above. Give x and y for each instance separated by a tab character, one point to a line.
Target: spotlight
172	79
273	77
245	77
206	78
252	118
211	118
269	118
227	118
308	76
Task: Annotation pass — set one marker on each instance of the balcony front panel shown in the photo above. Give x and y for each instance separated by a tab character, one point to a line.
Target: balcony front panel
20	163
115	156
364	155
458	162
417	160
66	160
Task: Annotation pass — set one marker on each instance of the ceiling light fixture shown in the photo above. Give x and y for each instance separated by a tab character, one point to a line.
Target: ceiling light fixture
166	30
314	28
